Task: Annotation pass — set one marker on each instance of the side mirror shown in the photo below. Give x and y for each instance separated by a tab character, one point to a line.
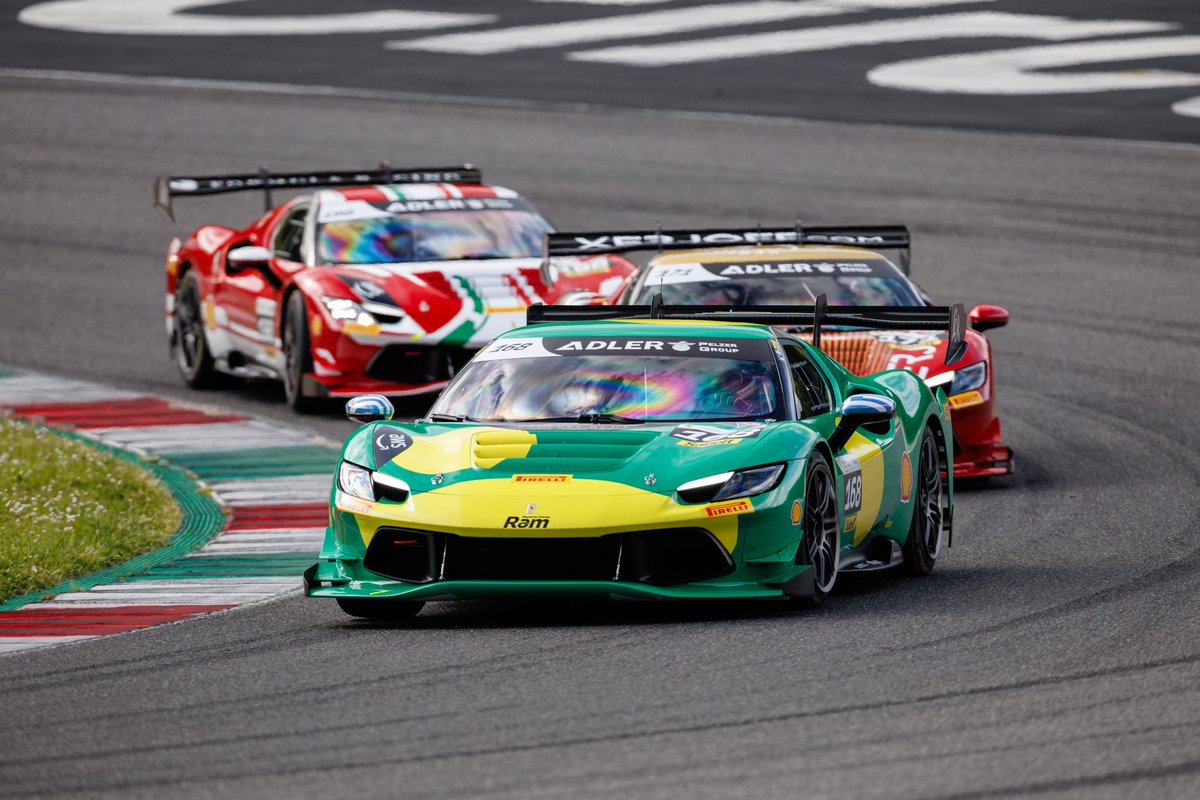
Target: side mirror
247	257
859	410
369	408
986	317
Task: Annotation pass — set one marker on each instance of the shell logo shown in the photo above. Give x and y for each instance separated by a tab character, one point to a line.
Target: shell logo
797	512
906	478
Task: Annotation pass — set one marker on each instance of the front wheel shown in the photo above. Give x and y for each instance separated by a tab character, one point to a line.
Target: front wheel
924	542
380	609
821	539
297	355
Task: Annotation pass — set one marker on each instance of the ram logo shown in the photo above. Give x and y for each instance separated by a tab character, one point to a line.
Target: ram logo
527	522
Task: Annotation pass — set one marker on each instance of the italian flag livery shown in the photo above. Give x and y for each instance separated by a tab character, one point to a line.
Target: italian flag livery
639	458
381	281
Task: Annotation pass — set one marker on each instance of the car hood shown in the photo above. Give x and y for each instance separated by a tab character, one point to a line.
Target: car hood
433	294
485	460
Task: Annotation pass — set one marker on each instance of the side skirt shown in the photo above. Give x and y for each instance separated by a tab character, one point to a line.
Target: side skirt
874	555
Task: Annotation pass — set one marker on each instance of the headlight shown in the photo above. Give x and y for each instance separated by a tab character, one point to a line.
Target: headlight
731	485
346	310
968	378
355	481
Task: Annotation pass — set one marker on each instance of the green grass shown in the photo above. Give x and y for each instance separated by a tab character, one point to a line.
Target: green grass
67	509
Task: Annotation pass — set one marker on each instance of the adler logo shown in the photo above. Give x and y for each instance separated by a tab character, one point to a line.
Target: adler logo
526	522
609	344
799	268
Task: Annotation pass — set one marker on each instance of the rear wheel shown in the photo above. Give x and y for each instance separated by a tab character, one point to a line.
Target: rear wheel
297	354
821	540
924	542
380	609
191	347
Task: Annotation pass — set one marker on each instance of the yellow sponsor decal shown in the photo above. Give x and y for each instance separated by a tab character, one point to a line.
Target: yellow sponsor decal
966	399
504	309
797	512
351	328
851	521
732	507
870	458
541	478
314	325
906	477
706	444
354	505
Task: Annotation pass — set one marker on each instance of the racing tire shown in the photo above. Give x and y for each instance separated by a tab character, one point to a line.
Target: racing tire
820	543
380	609
189	344
297	355
923	544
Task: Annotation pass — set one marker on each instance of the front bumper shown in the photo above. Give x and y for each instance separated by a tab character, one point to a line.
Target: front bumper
323	579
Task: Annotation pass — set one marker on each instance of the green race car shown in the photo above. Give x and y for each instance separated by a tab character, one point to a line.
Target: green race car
645	452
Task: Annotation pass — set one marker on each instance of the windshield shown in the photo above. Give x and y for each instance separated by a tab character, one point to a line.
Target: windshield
616	380
373	233
845	283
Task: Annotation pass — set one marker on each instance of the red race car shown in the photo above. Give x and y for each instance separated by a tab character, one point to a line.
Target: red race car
382	281
794	266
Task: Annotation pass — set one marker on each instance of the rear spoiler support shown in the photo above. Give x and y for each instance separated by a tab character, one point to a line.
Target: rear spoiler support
929	318
166	188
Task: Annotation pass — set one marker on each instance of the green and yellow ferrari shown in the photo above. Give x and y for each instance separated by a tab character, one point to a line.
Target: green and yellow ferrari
646	452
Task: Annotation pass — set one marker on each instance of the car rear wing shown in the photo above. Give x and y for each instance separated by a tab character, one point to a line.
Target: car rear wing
166	188
904	318
872	237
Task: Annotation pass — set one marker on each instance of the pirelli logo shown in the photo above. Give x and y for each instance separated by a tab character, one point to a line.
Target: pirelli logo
966	400
541	478
732	507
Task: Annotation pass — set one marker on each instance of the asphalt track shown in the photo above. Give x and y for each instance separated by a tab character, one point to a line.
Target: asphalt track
1055	652
545	64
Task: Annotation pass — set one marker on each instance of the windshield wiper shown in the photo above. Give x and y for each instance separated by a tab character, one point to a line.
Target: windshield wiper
450	418
591	417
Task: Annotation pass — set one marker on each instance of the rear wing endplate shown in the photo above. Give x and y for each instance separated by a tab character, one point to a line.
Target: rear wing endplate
166	188
929	318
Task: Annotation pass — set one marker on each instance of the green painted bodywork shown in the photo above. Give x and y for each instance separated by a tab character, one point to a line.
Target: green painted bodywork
452	492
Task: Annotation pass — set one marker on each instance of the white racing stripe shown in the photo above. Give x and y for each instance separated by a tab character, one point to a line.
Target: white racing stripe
260	491
30	389
12	644
197	598
247	585
272	533
203	436
300	549
987	24
651	23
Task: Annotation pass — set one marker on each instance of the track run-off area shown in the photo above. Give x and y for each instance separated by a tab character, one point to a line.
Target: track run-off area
1054	652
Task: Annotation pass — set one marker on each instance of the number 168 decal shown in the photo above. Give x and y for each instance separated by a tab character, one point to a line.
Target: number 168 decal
851	484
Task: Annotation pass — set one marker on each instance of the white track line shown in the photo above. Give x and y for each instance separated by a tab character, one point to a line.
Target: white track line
650	23
985	24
